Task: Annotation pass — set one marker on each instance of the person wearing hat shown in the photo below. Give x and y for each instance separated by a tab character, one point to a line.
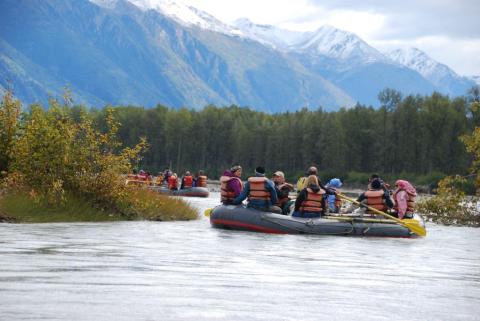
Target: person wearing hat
231	184
283	190
260	192
376	197
187	180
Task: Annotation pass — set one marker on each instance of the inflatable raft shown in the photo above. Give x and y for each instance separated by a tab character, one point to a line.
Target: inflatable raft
192	191
248	219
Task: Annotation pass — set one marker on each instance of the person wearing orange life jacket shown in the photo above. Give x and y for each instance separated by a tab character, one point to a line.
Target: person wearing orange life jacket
376	197
173	181
200	180
187	181
310	202
260	192
404	197
231	184
283	190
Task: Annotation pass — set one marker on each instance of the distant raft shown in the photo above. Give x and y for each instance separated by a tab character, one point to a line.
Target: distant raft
248	219
190	192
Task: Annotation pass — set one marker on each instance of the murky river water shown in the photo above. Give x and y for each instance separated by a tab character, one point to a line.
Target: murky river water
189	271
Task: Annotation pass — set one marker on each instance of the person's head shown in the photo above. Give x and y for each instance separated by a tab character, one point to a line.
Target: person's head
335	182
141	172
312	180
312	170
260	171
201	172
236	170
187	173
279	177
376	184
374	176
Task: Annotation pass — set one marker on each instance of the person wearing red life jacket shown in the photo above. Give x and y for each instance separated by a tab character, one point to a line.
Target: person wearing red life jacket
260	192
187	181
404	198
376	196
173	181
231	184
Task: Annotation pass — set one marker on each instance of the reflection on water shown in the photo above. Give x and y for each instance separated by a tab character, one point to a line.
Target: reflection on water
189	271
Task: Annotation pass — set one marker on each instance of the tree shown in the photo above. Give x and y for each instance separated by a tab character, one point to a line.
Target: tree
9	116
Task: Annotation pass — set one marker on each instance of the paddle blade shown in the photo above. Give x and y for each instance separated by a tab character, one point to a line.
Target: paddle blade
207	212
415	227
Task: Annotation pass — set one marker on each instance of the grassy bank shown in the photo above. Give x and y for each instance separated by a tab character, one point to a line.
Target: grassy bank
144	205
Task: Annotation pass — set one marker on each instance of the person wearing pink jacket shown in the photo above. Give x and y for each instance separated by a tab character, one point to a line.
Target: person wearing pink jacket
404	197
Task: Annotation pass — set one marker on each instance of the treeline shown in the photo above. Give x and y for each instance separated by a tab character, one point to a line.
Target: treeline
412	136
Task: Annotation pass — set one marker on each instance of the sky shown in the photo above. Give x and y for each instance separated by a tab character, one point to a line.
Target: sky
447	30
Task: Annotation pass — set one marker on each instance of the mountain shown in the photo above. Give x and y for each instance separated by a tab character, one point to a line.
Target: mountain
343	58
145	52
441	76
118	53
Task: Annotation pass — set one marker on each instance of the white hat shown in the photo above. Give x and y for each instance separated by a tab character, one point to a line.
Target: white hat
279	173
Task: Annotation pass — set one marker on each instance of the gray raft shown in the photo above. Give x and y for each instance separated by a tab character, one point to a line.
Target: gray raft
248	219
192	191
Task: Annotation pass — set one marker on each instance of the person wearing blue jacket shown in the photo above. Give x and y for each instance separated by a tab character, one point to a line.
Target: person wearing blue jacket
260	192
334	203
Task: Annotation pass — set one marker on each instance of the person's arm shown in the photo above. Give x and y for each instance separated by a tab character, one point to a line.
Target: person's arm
243	195
361	198
273	192
401	200
300	198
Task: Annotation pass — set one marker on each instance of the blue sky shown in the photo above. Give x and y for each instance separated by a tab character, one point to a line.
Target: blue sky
447	30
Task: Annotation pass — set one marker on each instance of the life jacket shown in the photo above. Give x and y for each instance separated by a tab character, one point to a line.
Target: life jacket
159	180
227	195
282	201
258	191
375	200
313	202
172	182
410	202
201	181
187	181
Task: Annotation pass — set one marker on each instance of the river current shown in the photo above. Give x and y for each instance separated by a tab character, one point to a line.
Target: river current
190	271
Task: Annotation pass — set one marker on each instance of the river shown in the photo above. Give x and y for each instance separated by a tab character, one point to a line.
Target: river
190	271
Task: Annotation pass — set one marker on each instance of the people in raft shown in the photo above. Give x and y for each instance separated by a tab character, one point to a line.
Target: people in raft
283	190
173	182
376	197
302	181
187	180
260	192
200	179
310	201
385	186
333	201
166	174
231	184
404	198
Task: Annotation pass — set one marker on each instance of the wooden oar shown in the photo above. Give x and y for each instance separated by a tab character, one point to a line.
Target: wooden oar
413	226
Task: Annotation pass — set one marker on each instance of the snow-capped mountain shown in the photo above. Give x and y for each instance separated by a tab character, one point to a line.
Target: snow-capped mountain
440	75
339	44
179	11
270	35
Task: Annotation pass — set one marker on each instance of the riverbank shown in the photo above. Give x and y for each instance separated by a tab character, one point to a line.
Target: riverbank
22	208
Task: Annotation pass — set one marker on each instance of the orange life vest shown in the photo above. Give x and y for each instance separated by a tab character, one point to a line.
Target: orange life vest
375	200
202	181
187	181
227	195
172	182
313	202
410	202
258	191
